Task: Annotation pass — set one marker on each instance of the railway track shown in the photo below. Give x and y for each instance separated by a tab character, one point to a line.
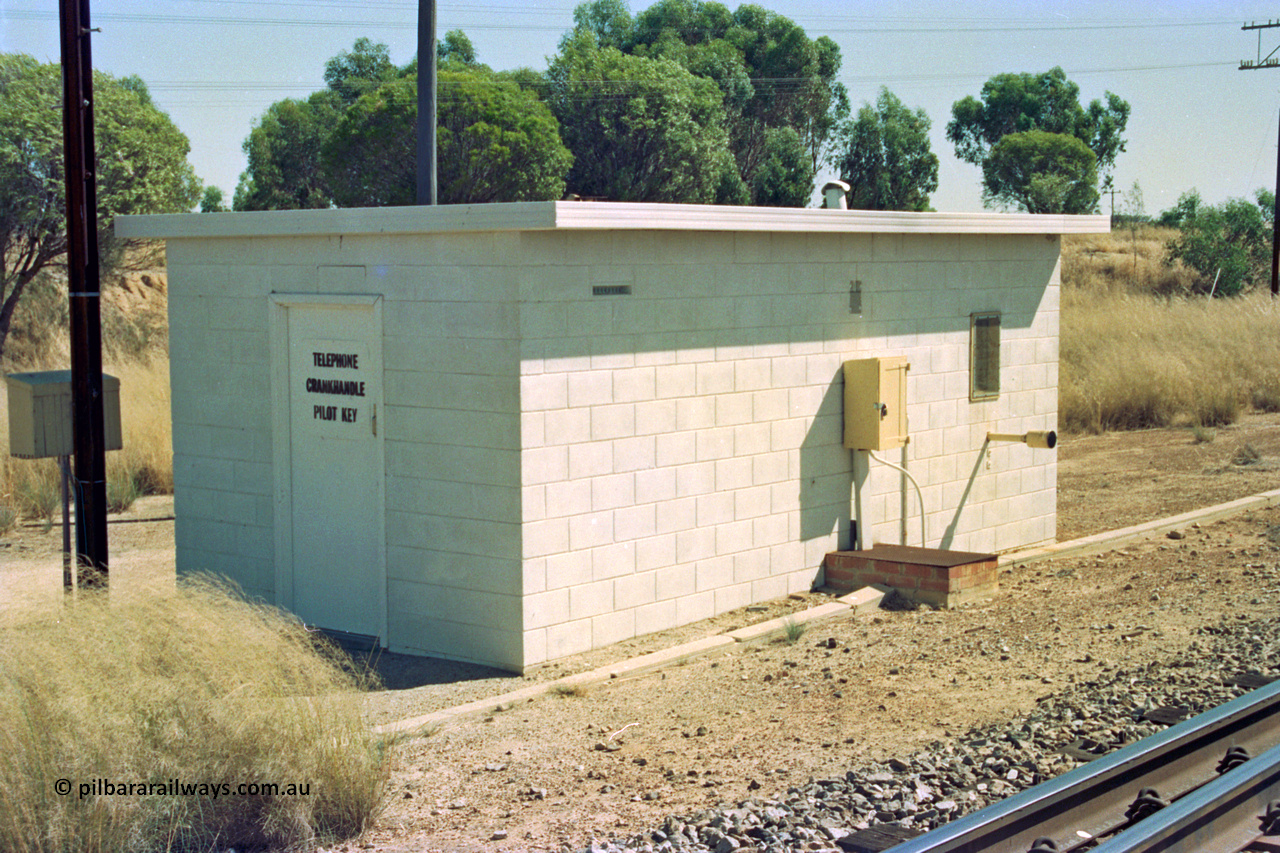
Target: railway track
1207	784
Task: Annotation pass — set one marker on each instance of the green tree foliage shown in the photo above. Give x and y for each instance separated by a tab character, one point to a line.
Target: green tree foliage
770	73
1186	209
360	70
283	151
1133	206
1228	245
353	144
370	158
455	47
785	178
608	20
1016	103
690	22
640	129
141	167
795	82
213	201
497	142
1046	103
1041	172
887	160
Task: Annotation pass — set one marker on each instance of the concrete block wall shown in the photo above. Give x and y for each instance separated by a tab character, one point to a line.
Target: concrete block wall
451	422
977	497
682	444
565	470
451	340
221	405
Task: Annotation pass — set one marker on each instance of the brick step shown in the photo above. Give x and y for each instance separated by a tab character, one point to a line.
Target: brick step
927	575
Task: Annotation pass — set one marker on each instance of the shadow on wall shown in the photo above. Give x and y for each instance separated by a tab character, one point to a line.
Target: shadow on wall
818	515
826	471
950	535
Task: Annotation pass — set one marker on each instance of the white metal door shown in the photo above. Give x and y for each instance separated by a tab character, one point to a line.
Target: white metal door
336	489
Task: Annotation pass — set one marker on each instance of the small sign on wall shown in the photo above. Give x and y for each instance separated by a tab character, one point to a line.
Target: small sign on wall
332	399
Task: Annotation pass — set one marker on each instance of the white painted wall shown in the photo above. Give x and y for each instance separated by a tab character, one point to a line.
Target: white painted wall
564	470
682	445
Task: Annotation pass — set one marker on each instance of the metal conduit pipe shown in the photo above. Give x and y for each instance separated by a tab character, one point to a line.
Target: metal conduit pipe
1044	439
924	537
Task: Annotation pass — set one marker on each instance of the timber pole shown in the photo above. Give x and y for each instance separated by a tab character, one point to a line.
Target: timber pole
1275	226
89	442
426	193
1269	61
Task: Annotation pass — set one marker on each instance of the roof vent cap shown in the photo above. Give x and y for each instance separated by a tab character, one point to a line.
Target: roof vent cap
833	195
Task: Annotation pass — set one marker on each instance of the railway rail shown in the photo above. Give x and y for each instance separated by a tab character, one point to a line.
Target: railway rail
1207	784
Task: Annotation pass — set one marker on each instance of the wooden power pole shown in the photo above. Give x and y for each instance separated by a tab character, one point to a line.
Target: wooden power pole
1269	61
89	442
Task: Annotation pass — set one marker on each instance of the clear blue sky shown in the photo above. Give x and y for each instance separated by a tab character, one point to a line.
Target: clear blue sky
215	65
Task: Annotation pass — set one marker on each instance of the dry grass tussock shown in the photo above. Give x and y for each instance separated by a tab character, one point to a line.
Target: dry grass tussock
31	488
198	686
1138	351
1130	361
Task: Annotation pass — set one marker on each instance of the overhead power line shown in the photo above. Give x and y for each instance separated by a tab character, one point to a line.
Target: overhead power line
895	79
859	25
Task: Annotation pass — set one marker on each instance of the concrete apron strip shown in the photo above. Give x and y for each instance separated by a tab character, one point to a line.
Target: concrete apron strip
622	669
861	601
782	625
1113	538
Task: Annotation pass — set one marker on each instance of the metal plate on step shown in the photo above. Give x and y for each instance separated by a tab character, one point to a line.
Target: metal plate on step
875	839
922	556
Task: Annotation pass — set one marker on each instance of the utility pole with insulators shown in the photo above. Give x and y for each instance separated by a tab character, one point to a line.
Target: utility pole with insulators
1269	61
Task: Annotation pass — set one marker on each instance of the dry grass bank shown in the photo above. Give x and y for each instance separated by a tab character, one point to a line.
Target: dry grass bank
135	322
1138	351
135	350
1129	261
196	687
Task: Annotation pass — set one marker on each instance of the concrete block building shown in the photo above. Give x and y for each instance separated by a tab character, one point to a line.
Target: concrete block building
509	433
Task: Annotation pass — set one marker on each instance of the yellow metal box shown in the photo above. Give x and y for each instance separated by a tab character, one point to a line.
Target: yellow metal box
875	403
40	414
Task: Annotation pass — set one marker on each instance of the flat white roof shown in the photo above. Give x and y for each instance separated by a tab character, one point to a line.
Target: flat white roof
593	216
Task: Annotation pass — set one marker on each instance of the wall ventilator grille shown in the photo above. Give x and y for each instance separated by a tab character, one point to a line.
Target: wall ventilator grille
611	290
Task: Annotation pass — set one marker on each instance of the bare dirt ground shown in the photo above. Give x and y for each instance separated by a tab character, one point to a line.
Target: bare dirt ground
755	722
140	543
614	759
1119	479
